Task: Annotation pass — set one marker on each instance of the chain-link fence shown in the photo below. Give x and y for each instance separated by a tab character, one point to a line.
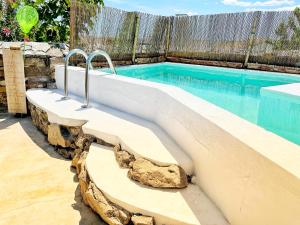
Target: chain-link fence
247	37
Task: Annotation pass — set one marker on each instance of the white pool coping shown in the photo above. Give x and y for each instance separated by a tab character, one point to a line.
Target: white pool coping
189	206
139	137
243	130
290	92
249	172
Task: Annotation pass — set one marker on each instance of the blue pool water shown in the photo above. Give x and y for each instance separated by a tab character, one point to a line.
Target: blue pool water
237	91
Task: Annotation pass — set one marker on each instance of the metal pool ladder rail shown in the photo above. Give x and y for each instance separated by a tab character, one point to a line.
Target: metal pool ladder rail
89	66
71	53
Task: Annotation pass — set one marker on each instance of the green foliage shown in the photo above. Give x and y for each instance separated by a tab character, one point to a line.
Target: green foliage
9	28
284	40
27	18
84	19
54	20
124	38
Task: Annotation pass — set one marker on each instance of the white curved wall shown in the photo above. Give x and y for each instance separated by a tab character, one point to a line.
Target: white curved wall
251	174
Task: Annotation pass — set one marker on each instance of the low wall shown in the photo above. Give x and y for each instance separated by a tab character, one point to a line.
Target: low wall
40	61
237	65
252	175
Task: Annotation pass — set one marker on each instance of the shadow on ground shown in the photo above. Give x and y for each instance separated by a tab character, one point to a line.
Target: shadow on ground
85	211
6	120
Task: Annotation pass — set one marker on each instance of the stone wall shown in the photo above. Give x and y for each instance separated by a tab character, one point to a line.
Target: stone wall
40	61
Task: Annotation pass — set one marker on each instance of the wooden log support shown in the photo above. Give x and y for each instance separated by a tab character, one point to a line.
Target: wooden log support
168	36
136	36
14	75
252	37
73	34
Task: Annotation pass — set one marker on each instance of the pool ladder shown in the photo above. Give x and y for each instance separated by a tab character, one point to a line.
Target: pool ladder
89	66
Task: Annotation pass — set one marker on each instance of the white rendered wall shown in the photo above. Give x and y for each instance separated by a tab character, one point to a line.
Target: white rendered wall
251	174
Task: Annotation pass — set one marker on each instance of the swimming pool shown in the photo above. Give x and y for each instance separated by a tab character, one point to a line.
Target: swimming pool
237	91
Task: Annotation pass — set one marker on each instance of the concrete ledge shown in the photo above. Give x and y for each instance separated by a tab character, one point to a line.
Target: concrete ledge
247	171
139	137
188	206
279	109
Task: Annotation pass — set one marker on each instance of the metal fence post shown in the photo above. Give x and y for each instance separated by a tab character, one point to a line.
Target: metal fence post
136	35
252	38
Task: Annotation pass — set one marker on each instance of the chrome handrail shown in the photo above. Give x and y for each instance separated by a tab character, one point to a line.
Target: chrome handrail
71	53
89	66
103	53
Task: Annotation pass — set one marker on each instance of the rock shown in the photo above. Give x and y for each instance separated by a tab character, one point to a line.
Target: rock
57	135
51	85
147	173
74	131
37	82
81	162
76	157
66	153
84	181
84	141
102	142
72	154
142	220
39	46
39	118
109	212
55	52
36	62
123	158
92	196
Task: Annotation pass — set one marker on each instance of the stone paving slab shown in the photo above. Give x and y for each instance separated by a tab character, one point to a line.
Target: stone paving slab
37	186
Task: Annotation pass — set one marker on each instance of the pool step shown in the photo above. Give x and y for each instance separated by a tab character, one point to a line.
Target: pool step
188	206
137	136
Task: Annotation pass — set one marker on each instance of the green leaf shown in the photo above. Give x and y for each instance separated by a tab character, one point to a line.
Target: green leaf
27	17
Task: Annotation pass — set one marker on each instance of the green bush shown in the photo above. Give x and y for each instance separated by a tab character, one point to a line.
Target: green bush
53	25
288	34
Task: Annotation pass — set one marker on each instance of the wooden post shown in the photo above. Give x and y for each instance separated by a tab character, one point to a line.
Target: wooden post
14	75
73	34
136	36
168	36
251	39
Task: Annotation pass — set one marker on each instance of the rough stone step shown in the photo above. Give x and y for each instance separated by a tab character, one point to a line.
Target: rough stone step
188	206
137	136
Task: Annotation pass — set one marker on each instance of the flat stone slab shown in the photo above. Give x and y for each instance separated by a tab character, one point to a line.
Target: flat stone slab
188	206
289	91
139	137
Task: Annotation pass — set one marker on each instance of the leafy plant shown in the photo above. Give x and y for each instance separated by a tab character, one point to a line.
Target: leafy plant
9	29
54	19
288	34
